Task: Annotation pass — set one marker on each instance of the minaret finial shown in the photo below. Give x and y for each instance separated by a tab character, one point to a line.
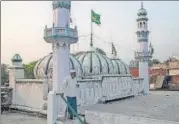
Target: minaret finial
142	5
112	48
150	44
91	41
114	52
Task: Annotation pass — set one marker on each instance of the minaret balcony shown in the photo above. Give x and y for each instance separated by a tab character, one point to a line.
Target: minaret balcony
142	18
142	39
63	34
142	55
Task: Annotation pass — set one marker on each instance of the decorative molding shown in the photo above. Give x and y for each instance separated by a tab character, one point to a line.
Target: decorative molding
62	4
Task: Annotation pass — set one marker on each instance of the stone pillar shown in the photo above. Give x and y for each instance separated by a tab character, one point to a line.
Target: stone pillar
12	84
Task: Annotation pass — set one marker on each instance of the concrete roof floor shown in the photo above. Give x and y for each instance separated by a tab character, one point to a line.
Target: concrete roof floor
162	105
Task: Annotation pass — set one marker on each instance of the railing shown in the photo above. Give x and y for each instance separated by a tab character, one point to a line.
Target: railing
139	55
60	31
143	38
71	108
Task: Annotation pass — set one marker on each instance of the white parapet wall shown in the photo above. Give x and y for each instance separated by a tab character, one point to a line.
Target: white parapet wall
109	87
28	93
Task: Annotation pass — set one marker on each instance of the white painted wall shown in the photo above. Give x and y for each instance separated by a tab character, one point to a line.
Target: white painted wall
108	88
174	72
144	73
28	93
19	73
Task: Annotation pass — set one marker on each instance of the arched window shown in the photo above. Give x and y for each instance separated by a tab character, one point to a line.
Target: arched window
144	24
140	24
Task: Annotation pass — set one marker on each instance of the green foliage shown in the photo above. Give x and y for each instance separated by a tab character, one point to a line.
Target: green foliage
29	70
154	61
4	74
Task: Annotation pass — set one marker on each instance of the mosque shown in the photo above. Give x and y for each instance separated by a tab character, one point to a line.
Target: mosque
101	77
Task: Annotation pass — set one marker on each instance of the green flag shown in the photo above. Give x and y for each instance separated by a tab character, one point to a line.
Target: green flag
95	17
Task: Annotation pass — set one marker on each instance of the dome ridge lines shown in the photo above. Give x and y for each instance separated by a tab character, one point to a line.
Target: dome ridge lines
40	61
106	63
99	62
73	67
47	65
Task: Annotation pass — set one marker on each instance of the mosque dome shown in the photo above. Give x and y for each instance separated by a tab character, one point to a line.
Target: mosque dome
95	63
120	67
142	11
16	58
45	66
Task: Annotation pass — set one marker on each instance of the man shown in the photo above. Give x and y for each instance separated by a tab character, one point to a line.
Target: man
70	91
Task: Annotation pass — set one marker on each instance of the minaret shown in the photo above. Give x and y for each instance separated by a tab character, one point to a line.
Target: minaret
17	66
60	36
143	54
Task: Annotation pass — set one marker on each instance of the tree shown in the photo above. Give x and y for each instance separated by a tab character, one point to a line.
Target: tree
4	74
29	69
154	61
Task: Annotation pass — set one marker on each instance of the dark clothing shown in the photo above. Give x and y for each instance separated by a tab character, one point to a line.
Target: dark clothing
72	101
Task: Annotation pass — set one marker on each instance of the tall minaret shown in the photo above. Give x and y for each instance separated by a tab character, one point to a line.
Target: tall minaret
143	54
60	36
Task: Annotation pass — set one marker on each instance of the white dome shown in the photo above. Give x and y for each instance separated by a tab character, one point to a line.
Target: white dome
44	66
120	67
16	58
95	63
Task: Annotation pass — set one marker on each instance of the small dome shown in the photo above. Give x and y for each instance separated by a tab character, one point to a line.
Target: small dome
45	66
95	63
142	11
120	67
16	58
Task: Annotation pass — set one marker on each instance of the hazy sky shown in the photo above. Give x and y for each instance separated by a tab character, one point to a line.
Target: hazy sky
23	23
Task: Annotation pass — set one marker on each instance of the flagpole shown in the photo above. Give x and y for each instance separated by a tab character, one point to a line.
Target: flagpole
91	42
